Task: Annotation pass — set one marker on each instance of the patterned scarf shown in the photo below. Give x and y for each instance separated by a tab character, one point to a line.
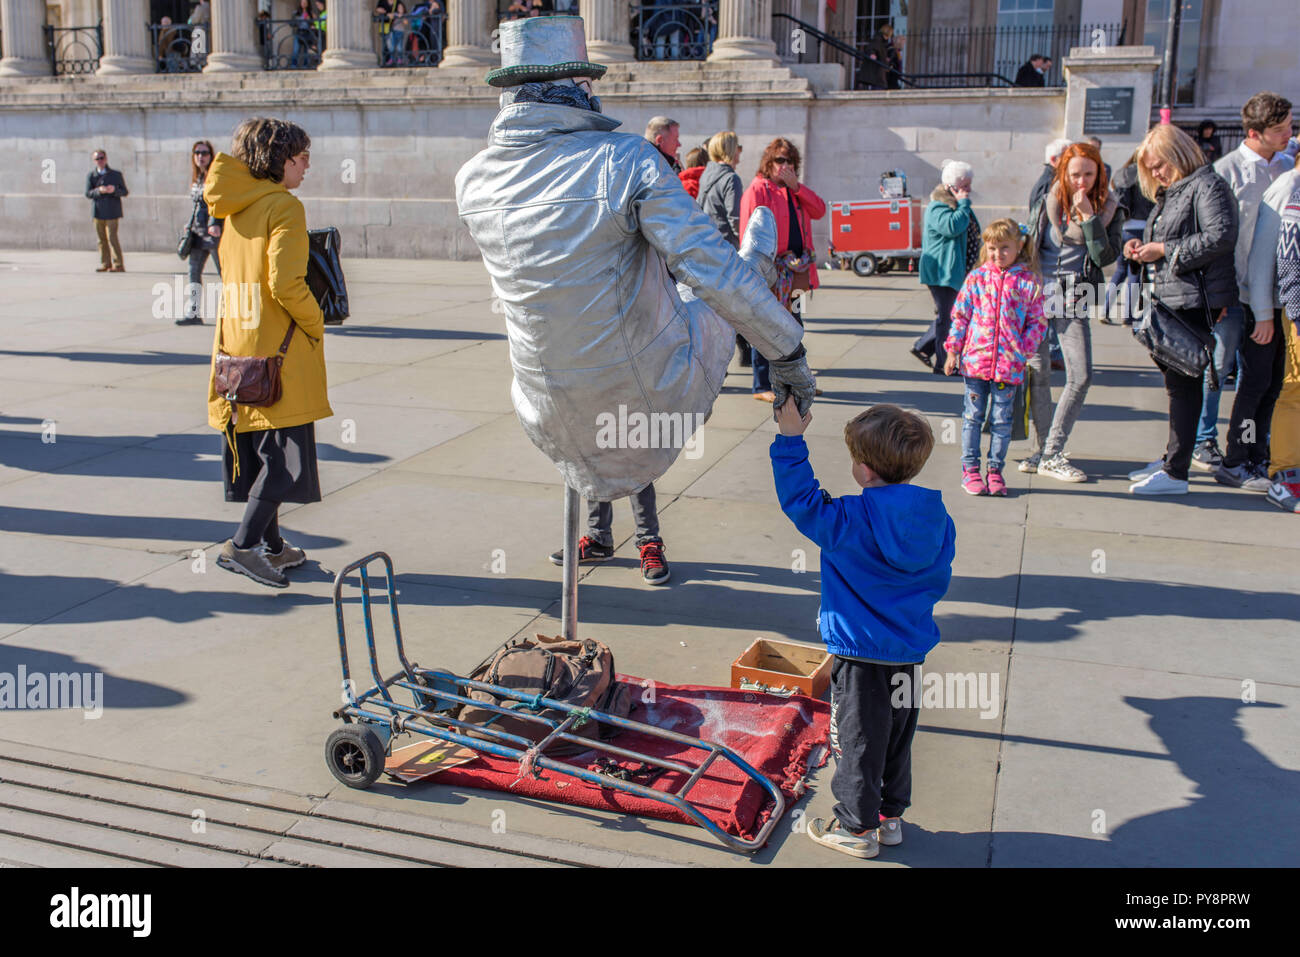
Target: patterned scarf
558	93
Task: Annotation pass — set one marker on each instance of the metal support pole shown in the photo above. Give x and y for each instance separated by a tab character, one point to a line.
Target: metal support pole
1170	62
569	596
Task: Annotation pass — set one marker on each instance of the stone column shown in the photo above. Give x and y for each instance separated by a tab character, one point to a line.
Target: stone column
348	41
469	34
232	37
126	38
608	25
25	53
744	31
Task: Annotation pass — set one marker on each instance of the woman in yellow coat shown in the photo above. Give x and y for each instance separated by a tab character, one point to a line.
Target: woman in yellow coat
269	452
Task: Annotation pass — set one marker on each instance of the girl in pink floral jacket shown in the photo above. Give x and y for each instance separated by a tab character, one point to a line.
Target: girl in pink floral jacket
997	324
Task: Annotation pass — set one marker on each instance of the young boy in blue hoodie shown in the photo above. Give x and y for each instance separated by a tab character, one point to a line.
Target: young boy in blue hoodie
886	560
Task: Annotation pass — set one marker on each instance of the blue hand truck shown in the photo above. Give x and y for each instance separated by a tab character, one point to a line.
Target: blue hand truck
355	752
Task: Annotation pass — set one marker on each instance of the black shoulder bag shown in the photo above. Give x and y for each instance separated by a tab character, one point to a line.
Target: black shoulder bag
1184	347
187	238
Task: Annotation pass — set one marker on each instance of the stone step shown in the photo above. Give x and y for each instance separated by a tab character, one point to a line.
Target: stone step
61	809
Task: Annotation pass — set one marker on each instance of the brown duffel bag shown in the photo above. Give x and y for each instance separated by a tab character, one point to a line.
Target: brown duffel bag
579	673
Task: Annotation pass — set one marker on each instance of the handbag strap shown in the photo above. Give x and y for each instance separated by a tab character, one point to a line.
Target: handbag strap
284	346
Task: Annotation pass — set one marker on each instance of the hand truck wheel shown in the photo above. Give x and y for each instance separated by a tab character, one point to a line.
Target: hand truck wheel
355	755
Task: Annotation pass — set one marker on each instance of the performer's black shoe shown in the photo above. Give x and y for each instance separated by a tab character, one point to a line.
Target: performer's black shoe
590	552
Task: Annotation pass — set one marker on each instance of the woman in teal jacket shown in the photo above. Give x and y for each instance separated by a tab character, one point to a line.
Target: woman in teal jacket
949	247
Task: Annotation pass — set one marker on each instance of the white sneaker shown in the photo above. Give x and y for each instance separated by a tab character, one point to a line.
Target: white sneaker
832	834
1138	475
1159	483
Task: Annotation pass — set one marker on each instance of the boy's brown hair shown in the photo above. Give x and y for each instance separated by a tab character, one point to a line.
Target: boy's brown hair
264	145
892	442
1264	110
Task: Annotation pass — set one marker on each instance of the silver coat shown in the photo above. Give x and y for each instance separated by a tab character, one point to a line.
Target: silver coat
579	227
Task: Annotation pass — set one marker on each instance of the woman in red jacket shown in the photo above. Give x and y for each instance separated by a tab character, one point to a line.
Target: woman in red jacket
795	206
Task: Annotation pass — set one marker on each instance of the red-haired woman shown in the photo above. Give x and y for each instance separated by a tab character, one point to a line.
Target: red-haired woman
1078	229
206	230
795	206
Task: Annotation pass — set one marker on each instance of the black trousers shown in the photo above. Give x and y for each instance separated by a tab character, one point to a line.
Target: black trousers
1259	382
931	344
1185	396
872	742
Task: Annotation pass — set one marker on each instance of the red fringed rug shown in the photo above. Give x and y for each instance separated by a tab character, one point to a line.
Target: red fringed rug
777	736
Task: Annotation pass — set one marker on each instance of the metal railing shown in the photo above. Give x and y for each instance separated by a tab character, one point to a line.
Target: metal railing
674	31
294	44
959	56
74	51
522	9
179	47
410	40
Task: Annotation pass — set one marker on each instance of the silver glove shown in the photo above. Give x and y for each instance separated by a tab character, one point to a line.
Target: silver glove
792	377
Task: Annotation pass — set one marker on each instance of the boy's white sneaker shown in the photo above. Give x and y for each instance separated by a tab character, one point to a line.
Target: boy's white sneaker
891	831
1159	483
834	835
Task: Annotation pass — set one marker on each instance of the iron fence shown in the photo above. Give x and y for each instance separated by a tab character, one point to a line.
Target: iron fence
674	31
179	47
74	51
992	56
410	39
294	44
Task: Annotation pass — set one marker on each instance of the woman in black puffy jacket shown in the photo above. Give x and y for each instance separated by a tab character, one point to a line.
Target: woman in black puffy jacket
1187	249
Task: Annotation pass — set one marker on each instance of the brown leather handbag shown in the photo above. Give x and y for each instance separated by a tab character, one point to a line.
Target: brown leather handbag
250	380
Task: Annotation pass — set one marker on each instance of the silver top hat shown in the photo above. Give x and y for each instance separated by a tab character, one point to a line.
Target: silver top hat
543	48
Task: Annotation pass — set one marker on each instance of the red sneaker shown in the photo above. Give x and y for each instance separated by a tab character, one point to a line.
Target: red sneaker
653	567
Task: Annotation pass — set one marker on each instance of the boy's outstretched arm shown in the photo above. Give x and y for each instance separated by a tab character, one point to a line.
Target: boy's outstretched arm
813	511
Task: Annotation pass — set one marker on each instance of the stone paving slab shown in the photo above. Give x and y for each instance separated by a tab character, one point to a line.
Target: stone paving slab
1118	691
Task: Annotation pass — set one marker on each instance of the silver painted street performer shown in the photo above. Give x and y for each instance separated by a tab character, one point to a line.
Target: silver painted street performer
586	234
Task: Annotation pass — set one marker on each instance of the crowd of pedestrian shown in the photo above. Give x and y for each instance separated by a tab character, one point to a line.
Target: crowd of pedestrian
1207	246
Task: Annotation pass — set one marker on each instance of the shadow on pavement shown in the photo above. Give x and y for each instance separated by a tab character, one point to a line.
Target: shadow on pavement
118	692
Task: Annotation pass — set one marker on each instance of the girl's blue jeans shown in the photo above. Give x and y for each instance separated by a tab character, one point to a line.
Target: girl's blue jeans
978	393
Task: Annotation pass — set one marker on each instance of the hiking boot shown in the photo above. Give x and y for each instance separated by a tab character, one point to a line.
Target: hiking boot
1059	467
1208	456
972	483
1284	492
890	832
1031	464
286	557
653	567
997	485
1146	471
251	562
835	836
590	552
1159	483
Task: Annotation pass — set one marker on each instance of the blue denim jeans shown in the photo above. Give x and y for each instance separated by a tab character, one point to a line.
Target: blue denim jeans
1227	340
978	393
